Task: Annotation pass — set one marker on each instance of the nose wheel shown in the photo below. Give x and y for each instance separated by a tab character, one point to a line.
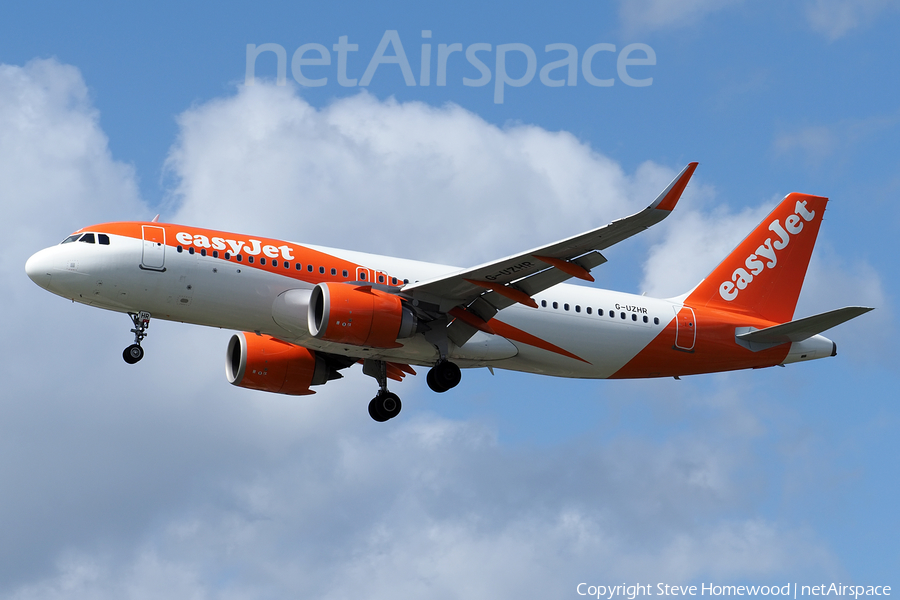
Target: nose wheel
134	352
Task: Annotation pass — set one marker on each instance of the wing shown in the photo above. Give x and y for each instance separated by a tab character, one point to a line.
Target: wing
473	296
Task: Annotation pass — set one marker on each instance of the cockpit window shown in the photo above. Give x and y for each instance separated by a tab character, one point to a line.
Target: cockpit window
103	239
71	238
88	238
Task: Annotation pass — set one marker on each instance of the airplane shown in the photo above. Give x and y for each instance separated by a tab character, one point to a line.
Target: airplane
306	312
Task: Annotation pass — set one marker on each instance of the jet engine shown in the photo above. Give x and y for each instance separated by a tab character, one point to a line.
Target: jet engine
359	315
270	365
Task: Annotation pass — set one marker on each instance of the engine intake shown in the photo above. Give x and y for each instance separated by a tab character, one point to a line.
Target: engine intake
359	315
270	365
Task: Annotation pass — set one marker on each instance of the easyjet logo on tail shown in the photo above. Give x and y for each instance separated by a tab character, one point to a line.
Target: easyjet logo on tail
766	255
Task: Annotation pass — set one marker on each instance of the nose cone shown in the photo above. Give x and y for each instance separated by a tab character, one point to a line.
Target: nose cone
38	268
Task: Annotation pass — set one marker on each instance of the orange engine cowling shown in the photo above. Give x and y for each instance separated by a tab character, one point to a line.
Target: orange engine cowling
359	315
270	365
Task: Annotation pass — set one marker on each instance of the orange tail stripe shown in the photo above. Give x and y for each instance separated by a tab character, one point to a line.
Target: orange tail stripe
513	333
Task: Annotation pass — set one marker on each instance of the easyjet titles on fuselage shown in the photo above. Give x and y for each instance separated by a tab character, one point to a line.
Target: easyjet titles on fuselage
252	247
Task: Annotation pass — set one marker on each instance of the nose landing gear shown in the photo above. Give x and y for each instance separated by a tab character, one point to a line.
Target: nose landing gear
134	352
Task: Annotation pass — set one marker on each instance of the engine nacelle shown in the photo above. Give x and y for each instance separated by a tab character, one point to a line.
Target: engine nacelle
270	365
291	310
359	315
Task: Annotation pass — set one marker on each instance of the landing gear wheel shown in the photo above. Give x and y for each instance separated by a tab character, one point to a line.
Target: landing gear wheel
132	354
384	406
443	376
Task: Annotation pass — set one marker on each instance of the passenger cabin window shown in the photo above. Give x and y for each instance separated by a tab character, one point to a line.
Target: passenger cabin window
555	305
656	320
262	261
577	308
345	273
103	239
544	303
87	238
588	309
334	271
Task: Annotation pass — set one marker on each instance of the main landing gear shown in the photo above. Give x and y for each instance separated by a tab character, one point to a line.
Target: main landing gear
385	405
134	352
443	376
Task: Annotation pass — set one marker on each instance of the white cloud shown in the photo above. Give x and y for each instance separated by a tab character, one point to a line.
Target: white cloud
663	14
56	170
835	18
402	179
695	242
437	508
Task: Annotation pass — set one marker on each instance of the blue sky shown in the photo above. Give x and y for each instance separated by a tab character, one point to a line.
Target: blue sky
162	480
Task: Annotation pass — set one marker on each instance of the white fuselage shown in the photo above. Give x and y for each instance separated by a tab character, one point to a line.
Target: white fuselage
604	329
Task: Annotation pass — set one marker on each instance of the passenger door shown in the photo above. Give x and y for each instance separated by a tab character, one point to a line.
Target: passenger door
153	256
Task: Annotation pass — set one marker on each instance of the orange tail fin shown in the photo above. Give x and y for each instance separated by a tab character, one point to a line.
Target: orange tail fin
764	274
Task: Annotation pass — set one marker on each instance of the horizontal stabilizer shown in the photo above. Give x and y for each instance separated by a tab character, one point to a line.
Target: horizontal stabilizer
801	329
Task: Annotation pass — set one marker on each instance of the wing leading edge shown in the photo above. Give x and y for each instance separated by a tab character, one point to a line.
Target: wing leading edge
487	288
